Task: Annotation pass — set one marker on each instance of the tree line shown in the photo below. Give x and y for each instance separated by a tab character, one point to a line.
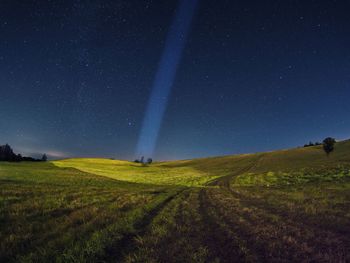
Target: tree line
7	154
312	144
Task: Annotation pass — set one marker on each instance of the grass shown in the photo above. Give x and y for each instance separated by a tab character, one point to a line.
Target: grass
49	212
156	174
291	205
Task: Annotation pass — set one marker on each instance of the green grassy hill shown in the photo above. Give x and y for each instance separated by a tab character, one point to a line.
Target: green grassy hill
283	160
294	164
290	205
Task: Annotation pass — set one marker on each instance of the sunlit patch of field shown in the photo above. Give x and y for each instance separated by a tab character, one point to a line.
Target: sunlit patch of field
158	173
291	206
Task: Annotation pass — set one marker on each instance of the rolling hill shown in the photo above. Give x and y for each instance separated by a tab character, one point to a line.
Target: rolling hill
290	205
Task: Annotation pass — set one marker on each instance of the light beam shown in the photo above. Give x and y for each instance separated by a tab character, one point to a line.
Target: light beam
164	77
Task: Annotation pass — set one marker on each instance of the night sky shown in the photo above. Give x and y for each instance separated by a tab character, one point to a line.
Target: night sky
76	77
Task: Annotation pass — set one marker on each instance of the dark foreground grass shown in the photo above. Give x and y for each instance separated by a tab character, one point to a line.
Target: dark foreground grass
251	224
50	214
286	206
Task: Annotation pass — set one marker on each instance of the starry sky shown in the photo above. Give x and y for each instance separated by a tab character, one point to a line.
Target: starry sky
76	76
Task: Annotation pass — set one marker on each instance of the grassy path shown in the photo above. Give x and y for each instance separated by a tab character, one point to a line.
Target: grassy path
190	229
115	252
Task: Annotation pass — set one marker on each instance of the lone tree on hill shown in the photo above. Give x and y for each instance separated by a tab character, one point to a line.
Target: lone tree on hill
328	145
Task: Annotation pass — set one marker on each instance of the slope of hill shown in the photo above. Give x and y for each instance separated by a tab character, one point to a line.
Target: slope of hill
297	162
290	205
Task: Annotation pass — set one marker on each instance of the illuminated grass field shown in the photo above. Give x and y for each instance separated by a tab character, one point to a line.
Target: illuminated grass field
289	206
157	174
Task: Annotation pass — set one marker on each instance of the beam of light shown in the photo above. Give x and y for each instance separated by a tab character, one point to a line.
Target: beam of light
165	76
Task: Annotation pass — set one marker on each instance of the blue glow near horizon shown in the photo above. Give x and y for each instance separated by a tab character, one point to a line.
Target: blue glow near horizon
164	77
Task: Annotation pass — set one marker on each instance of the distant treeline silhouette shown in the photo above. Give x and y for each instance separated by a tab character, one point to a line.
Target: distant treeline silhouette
312	144
7	154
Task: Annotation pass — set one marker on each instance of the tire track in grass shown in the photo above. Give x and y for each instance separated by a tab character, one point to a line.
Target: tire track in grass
297	240
181	237
177	233
117	251
225	181
225	243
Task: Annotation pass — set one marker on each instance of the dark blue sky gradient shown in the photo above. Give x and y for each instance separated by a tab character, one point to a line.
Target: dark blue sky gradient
76	76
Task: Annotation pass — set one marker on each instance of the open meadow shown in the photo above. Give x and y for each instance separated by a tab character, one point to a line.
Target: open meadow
283	206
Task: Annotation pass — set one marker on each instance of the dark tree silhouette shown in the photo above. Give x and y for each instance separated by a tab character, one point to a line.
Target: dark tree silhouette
142	159
149	160
44	157
328	145
7	154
